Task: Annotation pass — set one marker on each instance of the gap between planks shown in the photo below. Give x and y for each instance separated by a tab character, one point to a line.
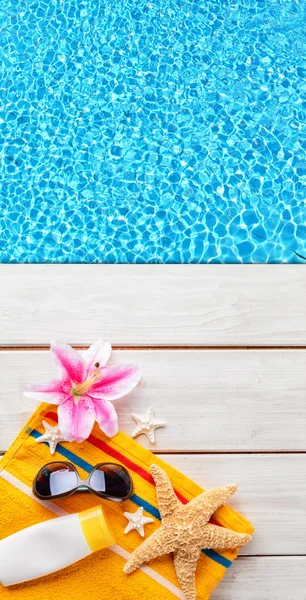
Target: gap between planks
284	556
44	348
232	452
216	452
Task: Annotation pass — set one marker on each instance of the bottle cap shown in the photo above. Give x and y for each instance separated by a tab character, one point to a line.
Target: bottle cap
96	529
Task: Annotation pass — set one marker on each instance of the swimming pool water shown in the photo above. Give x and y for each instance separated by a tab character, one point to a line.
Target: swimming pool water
163	131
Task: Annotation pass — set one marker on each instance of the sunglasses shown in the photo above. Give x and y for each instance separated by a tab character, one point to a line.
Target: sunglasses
60	479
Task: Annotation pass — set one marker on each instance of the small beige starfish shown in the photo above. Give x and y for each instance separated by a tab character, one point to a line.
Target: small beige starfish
137	521
185	530
146	424
52	436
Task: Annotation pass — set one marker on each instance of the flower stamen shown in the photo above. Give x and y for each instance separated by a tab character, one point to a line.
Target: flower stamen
94	377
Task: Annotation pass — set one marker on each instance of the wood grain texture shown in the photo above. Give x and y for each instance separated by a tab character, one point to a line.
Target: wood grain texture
219	400
212	305
264	579
271	494
261	578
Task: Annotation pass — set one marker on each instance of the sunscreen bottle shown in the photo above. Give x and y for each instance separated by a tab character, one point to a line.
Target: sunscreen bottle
52	545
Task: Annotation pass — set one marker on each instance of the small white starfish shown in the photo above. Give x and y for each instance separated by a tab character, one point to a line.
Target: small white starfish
52	436
146	424
137	521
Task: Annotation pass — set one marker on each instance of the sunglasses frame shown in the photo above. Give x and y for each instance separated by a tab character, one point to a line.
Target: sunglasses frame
83	484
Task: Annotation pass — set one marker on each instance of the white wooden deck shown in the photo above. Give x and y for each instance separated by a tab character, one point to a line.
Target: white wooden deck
222	350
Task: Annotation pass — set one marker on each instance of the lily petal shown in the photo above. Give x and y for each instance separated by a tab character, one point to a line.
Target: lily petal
116	381
53	392
98	352
76	419
70	361
106	417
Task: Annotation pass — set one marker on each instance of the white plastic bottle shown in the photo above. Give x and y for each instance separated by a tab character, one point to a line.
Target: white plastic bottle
52	545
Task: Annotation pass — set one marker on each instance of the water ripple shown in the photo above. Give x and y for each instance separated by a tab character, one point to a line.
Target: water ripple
164	131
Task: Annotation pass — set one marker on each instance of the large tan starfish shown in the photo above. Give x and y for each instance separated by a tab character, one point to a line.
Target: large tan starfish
185	530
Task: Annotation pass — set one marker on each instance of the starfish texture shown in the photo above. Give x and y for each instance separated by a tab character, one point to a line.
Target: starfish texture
52	436
146	424
137	521
185	530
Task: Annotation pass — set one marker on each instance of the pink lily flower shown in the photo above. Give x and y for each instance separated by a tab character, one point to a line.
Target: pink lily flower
85	392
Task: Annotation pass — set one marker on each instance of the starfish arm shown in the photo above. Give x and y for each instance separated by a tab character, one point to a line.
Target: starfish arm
128	515
157	423
46	425
137	418
157	544
140	530
151	436
208	502
136	431
167	500
219	537
129	528
185	564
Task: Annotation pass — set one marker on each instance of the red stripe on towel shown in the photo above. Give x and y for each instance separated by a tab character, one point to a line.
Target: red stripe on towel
92	439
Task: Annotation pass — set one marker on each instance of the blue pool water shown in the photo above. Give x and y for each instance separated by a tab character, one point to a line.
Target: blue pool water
162	131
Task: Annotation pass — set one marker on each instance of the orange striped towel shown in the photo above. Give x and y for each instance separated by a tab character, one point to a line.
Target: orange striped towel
100	575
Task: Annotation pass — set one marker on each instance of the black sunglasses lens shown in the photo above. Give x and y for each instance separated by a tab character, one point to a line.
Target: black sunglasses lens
55	479
111	480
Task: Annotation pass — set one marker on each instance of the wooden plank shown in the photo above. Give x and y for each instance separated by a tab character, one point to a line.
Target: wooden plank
281	578
218	400
257	578
271	494
143	305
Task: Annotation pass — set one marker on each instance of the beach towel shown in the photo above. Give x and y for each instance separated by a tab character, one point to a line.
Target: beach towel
100	576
